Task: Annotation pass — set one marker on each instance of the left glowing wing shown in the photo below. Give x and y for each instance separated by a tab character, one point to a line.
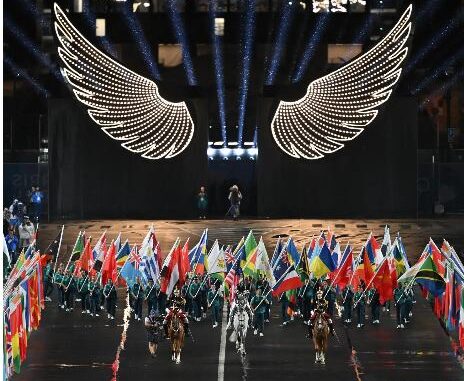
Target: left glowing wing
126	105
337	107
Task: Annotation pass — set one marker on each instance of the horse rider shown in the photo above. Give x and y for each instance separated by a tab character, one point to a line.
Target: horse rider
153	324
241	298
321	305
177	304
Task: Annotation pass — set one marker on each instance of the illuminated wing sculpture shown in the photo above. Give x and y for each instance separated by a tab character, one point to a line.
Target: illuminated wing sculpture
124	104
338	106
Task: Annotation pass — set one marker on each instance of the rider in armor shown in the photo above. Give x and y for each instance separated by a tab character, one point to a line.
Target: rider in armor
241	298
320	307
177	303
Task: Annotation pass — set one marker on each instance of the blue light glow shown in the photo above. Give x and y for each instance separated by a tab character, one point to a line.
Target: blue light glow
288	11
435	41
31	47
248	30
16	70
438	72
181	36
141	41
321	25
219	71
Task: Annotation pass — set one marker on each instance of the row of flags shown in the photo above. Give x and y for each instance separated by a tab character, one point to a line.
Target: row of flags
23	301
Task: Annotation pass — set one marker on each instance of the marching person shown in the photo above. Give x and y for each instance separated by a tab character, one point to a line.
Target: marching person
408	302
360	302
194	293
307	295
177	304
214	302
399	303
68	284
259	303
203	296
235	197
58	279
347	296
374	301
320	307
48	281
94	295
153	325
151	295
83	291
110	294
137	297
266	289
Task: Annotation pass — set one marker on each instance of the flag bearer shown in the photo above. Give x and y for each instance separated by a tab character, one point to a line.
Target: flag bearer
68	284
48	281
259	302
214	302
153	324
374	301
58	279
360	302
194	293
399	303
408	302
94	295
137	297
151	295
347	296
109	292
83	290
284	306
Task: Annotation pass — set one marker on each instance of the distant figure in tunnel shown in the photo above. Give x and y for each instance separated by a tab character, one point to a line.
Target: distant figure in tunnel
235	196
202	203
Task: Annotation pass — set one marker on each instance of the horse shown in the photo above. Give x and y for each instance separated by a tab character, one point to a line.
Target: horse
176	336
240	327
320	337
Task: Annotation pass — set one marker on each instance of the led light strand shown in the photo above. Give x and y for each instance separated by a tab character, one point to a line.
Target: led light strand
126	105
338	106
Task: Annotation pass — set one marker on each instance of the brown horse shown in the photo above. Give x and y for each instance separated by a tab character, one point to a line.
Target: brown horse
320	337
176	335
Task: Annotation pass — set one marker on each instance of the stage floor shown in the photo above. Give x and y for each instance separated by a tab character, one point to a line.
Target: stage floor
415	233
74	347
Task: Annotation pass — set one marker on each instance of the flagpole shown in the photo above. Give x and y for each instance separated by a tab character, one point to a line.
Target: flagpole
59	248
336	275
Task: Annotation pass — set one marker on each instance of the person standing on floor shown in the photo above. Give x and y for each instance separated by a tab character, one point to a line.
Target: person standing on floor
235	198
109	292
347	296
137	296
214	302
202	203
259	302
360	302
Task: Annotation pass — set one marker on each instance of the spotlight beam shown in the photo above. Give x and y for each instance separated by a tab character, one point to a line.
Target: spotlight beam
181	36
456	78
219	71
288	13
31	47
139	38
438	71
436	40
16	70
247	51
313	42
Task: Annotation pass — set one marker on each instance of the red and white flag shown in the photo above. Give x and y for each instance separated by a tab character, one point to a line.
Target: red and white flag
170	271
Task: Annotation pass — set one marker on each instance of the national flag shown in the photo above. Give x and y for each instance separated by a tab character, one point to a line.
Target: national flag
15	324
123	254
109	268
277	251
184	263
398	258
79	246
322	263
99	252
331	240
292	305
461	317
262	263
344	273
364	269
216	260
373	250
229	257
437	257
117	243
429	278
170	270
51	252
130	271
198	253
285	274
383	282
336	255
86	257
30	250
386	242
293	253
149	268
303	266
247	263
